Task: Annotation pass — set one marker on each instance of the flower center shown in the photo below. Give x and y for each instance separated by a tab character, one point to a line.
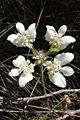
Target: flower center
40	55
56	40
54	67
24	38
27	67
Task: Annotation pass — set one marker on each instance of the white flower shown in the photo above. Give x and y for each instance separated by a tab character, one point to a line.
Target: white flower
23	67
57	39
56	71
24	37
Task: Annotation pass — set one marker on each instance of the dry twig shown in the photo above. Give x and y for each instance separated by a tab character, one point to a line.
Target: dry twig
69	113
48	95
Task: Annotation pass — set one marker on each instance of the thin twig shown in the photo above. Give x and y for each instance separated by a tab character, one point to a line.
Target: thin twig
39	18
75	67
69	113
45	96
14	57
40	15
7	30
48	95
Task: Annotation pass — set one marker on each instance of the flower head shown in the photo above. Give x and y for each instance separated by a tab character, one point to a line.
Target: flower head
67	101
23	67
40	57
57	40
24	37
56	69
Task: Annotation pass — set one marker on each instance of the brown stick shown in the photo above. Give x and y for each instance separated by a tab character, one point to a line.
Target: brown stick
48	95
39	18
69	113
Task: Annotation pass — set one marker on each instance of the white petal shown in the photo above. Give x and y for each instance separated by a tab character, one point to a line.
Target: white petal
64	58
50	28
62	46
58	79
66	40
25	79
12	38
32	31
67	71
50	32
20	27
62	30
14	72
18	43
18	61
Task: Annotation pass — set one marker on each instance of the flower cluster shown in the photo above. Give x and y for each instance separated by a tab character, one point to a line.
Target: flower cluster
55	67
40	57
24	37
23	67
57	39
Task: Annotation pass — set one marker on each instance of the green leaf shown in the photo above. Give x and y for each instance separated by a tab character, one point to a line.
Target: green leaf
53	50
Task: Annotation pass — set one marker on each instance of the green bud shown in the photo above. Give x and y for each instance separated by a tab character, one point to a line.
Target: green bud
53	50
30	45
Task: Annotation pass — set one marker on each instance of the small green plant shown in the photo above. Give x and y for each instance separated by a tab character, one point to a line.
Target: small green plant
58	41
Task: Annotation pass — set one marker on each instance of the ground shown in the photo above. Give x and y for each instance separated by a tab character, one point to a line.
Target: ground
55	13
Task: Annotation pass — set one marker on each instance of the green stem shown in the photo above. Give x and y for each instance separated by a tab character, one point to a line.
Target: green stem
42	75
58	104
43	83
34	50
32	92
